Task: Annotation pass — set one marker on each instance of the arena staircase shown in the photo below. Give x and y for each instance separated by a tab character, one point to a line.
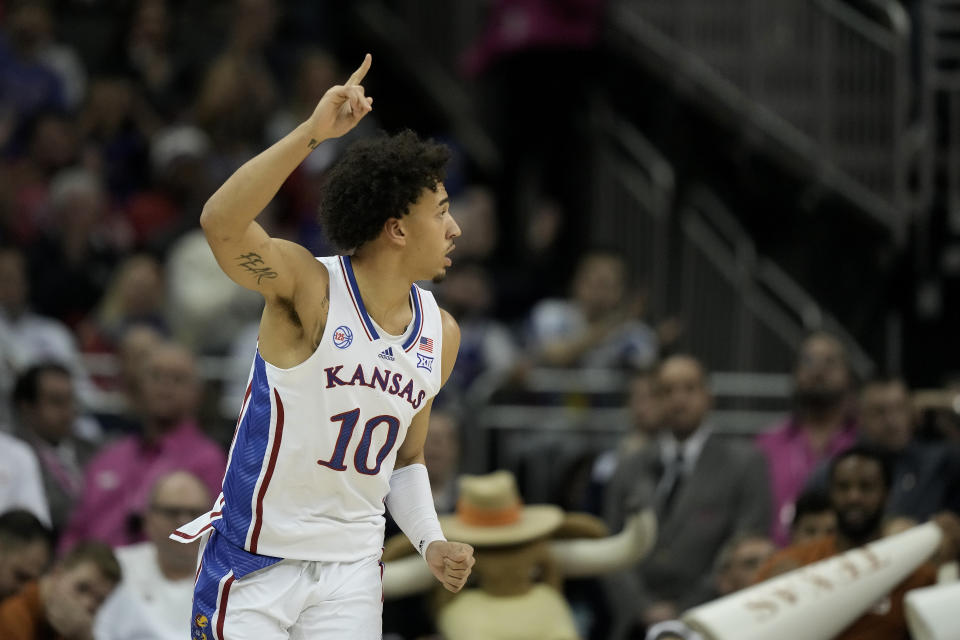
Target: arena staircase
825	86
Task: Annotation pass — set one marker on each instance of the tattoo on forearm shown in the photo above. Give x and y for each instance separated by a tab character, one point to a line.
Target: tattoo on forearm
253	263
313	144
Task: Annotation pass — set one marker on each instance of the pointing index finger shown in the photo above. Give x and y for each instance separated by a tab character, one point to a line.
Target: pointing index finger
357	76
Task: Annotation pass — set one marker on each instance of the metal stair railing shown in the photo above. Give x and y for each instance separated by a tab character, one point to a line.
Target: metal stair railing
419	36
742	312
940	70
826	85
633	195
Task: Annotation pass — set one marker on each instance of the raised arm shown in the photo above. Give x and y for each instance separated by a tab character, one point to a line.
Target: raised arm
243	249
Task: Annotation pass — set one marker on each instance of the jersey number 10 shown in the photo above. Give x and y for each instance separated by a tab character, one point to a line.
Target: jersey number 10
348	421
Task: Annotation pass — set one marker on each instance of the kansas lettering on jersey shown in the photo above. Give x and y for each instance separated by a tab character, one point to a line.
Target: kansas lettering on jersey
315	444
378	379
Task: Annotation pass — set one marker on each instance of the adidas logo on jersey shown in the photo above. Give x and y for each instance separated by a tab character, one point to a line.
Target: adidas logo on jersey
387	354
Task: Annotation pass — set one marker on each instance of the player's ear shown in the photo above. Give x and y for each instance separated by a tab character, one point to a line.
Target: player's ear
393	228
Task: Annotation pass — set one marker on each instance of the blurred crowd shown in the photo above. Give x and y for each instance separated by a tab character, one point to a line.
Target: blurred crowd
113	431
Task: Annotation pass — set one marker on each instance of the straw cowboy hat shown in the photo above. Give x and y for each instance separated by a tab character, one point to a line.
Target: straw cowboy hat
491	513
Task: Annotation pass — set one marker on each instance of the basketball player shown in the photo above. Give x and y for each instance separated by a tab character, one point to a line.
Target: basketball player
349	357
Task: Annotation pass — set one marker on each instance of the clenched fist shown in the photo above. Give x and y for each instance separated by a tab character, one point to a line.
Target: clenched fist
450	562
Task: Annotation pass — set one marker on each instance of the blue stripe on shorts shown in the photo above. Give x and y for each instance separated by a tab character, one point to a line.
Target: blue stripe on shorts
220	558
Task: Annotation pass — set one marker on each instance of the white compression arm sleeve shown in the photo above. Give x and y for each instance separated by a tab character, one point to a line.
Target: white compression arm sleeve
411	505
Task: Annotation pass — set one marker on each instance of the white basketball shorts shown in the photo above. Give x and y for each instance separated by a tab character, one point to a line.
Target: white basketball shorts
241	596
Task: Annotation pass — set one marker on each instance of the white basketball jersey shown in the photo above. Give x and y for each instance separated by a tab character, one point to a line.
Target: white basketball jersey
315	444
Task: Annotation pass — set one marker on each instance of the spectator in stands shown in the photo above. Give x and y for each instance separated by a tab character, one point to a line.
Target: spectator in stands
50	145
545	268
705	489
739	561
180	183
45	409
27	338
644	423
820	426
240	75
136	344
21	485
599	326
117	124
26	547
71	265
63	603
27	85
119	479
813	517
926	477
737	564
859	486
135	296
40	26
150	58
159	573
644	413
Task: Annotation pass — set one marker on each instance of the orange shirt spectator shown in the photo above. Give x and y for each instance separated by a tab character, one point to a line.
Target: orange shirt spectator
61	605
22	618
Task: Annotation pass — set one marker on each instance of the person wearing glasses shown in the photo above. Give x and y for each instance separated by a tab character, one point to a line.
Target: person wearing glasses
158	574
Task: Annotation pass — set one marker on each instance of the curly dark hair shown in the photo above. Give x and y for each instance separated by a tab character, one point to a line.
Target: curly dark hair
378	178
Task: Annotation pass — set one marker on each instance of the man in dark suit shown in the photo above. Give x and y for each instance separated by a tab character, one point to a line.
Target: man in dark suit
705	489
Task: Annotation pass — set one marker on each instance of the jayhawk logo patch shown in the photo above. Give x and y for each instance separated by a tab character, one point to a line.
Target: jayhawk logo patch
200	623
